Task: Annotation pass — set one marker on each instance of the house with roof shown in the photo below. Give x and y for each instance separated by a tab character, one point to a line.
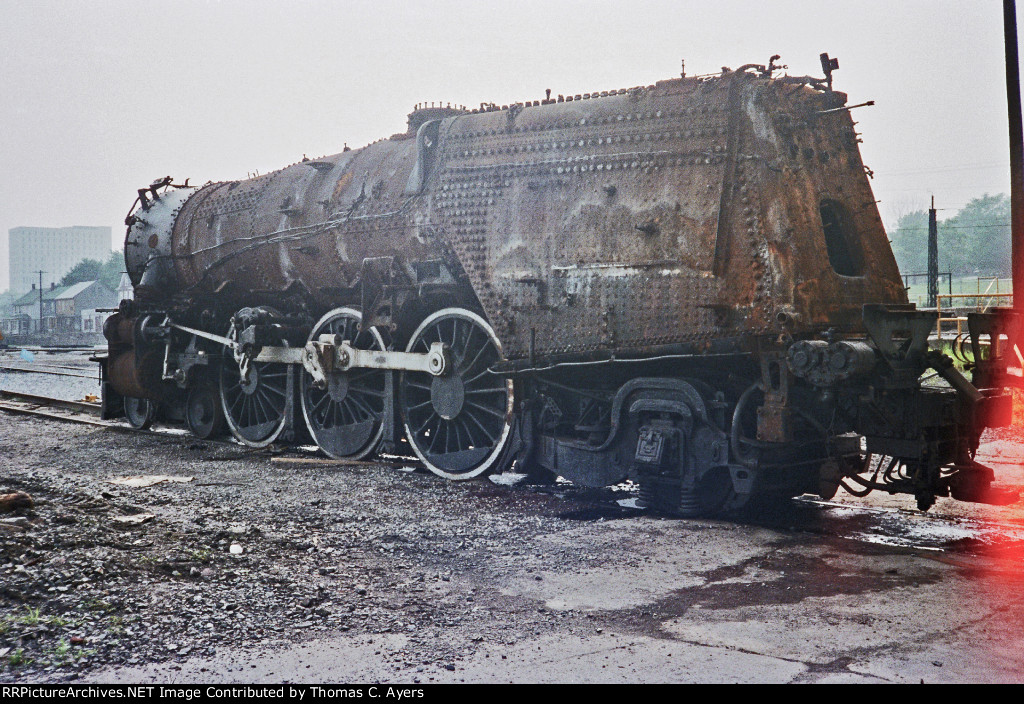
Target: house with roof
13	323
9	324
59	309
74	300
27	310
124	288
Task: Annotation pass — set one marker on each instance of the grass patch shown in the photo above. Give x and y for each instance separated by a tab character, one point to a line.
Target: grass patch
18	659
200	555
63	653
96	604
30	618
116	625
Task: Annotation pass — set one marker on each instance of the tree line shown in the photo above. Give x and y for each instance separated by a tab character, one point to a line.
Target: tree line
975	241
107	273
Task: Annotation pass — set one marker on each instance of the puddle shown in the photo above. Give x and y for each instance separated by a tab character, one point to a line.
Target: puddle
915	530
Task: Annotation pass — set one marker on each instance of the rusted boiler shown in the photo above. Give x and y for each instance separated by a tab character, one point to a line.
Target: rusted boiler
687	284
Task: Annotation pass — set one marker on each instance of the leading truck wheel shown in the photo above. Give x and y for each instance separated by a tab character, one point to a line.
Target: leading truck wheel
458	423
346	418
139	412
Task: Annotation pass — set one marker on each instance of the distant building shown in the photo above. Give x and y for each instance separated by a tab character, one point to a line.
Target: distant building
87	295
124	288
29	308
15	324
92	319
10	323
54	250
62	309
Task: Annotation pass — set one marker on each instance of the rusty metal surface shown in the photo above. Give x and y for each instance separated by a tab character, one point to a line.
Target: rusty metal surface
711	243
680	212
591	222
310	224
597	223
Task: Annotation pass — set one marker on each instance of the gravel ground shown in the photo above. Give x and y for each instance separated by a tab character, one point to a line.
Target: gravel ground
323	549
261	567
16	374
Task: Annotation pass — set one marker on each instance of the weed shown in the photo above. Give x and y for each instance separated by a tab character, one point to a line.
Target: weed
80	653
200	555
18	659
96	604
60	654
31	617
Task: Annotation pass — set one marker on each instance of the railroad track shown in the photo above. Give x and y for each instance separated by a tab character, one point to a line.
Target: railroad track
81	412
56	370
30	404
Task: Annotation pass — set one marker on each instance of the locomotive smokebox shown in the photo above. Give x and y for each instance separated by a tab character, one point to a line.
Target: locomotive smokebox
148	252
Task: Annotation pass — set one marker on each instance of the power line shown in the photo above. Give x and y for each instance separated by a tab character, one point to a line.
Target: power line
953	227
942	169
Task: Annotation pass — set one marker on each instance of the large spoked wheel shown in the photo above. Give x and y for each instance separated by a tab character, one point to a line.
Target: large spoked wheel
255	409
457	424
346	418
140	412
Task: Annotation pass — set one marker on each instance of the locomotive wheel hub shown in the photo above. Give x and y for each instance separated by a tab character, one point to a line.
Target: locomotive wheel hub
251	382
337	387
201	408
203	413
254	396
448	395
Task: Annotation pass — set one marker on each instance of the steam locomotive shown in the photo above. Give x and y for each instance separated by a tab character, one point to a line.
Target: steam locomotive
687	284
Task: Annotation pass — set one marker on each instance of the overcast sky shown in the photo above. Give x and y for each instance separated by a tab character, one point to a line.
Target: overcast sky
98	98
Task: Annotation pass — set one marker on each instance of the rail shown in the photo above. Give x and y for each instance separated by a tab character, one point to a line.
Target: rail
54	370
88	407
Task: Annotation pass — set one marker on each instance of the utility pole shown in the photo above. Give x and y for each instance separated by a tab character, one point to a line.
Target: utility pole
40	272
1016	154
933	257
